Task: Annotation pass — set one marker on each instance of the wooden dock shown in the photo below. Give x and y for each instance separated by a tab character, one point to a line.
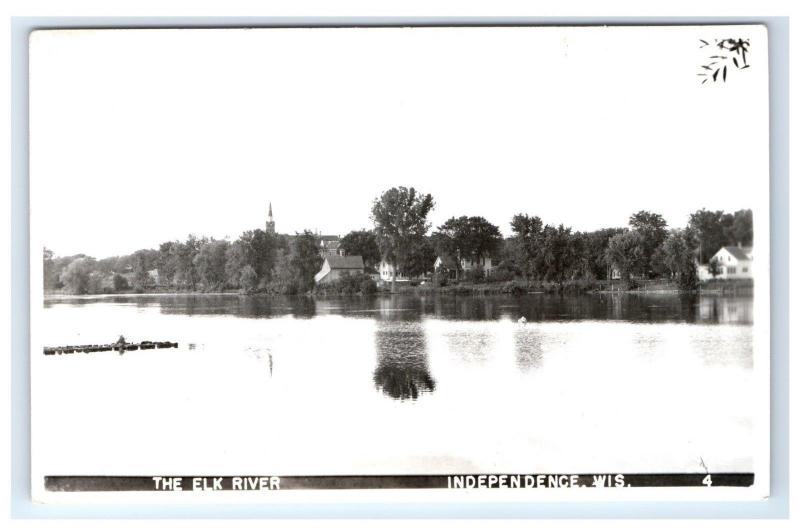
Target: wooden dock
121	347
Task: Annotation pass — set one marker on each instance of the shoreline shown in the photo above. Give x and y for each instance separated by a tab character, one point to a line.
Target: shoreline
511	289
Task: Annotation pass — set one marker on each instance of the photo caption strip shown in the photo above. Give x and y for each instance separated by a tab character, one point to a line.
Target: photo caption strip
64	483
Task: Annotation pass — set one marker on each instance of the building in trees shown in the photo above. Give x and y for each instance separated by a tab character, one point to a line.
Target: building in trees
330	245
334	267
731	262
447	266
471	241
386	271
401	224
454	269
270	227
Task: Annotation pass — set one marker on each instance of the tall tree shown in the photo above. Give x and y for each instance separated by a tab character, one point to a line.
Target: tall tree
283	277
625	252
210	264
709	231
236	260
581	266
671	256
742	228
186	273
594	248
401	221
106	265
469	238
50	276
119	283
362	243
167	263
687	276
255	248
557	252
76	275
248	279
527	234
263	247
421	258
141	276
305	260
653	228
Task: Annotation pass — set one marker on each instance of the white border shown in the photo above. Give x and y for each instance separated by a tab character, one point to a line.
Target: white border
761	346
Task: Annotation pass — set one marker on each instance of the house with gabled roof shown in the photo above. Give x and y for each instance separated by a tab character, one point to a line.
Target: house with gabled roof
386	272
732	262
448	266
454	268
334	267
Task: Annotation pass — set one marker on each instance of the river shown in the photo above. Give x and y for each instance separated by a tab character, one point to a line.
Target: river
397	384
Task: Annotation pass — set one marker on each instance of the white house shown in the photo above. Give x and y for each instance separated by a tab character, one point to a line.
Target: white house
334	267
454	269
386	271
447	265
732	263
484	262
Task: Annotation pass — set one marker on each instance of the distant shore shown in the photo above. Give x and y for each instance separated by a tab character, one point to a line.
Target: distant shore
519	287
511	288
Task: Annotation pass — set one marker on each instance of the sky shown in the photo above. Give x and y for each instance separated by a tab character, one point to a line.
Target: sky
144	136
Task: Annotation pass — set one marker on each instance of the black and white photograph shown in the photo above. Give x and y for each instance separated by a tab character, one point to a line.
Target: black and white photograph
453	263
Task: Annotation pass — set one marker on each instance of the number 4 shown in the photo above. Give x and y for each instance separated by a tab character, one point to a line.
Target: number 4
707	481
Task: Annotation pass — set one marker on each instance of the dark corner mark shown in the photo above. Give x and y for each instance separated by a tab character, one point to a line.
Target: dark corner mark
725	53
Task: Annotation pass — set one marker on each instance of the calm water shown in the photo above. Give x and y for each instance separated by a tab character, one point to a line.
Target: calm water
396	384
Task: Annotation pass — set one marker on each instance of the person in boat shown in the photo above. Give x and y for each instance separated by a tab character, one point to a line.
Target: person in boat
121	344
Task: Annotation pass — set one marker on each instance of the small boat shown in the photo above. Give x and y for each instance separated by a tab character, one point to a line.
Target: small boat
121	346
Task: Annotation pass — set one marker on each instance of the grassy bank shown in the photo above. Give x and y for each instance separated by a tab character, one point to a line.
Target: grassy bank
742	287
520	287
362	287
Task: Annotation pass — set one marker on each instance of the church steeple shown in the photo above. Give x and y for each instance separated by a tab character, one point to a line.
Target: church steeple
270	221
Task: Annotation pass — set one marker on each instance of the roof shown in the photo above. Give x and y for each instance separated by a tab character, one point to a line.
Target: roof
740	252
330	244
345	262
449	262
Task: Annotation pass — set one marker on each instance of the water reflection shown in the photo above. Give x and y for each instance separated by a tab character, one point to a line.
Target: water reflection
679	367
470	342
725	310
641	307
528	349
467	308
402	370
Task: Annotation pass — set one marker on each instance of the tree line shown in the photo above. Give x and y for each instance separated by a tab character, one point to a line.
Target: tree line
258	261
645	249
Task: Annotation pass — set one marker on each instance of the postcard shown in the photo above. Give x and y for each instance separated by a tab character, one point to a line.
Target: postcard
386	263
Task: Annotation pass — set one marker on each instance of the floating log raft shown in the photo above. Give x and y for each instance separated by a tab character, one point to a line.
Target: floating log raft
121	347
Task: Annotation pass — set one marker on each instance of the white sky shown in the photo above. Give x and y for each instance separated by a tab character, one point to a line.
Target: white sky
142	136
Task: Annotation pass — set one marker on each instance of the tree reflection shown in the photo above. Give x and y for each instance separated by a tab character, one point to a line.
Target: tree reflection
464	308
402	371
471	342
724	309
527	348
628	307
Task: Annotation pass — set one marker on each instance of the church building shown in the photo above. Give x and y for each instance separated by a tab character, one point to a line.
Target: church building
270	221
